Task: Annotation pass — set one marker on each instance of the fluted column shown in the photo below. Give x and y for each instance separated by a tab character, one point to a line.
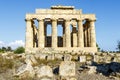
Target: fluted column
34	35
67	34
92	33
45	29
74	36
45	33
88	36
63	35
29	34
41	37
54	33
80	34
85	35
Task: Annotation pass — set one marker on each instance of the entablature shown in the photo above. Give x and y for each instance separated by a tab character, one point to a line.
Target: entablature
58	16
56	11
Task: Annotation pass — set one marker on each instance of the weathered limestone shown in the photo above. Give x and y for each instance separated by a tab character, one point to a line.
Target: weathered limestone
63	36
96	58
25	70
92	33
93	69
44	72
67	57
74	34
31	59
85	36
41	34
54	33
67	34
50	57
74	37
29	35
67	68
89	37
80	34
82	58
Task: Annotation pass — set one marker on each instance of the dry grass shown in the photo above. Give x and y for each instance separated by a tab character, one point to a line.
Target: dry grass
6	64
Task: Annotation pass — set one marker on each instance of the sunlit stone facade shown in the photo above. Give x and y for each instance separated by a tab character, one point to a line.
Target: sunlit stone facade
78	29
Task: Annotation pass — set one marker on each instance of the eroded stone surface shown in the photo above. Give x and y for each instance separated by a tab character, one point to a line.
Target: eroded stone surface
25	69
82	58
44	71
67	68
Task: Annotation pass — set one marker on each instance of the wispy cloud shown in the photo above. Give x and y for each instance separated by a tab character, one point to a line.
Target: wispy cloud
2	44
13	44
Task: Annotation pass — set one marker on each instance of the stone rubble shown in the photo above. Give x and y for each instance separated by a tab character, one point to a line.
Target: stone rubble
47	66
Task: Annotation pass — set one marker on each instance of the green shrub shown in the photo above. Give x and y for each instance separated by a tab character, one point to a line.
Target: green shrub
19	50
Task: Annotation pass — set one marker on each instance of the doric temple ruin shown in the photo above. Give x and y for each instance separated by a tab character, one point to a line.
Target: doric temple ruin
78	29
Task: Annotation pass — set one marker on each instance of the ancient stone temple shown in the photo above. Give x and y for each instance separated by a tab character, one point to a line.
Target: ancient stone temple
78	29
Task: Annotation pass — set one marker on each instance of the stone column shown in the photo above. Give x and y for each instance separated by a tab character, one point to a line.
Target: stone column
45	33
54	33
29	34
45	29
67	34
34	35
74	36
85	33
41	37
80	34
63	25
88	36
92	33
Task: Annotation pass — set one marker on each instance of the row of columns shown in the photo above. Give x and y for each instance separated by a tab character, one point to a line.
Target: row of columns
66	34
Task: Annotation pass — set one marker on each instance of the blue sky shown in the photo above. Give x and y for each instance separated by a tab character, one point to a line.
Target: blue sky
12	15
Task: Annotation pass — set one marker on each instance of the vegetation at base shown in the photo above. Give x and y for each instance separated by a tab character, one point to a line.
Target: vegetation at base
98	48
5	49
5	64
104	51
19	50
118	46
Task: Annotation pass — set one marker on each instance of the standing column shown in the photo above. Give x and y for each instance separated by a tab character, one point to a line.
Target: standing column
92	33
67	34
74	36
63	25
41	37
29	34
88	36
54	33
80	34
45	29
45	33
85	37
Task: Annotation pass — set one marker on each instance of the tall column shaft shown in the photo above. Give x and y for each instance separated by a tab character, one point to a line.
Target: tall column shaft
54	33
92	33
85	32
80	34
29	35
74	36
41	37
88	36
45	34
67	34
63	35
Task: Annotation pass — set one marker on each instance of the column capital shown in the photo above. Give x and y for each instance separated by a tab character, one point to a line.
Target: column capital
54	19
92	20
67	20
80	20
40	20
28	19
